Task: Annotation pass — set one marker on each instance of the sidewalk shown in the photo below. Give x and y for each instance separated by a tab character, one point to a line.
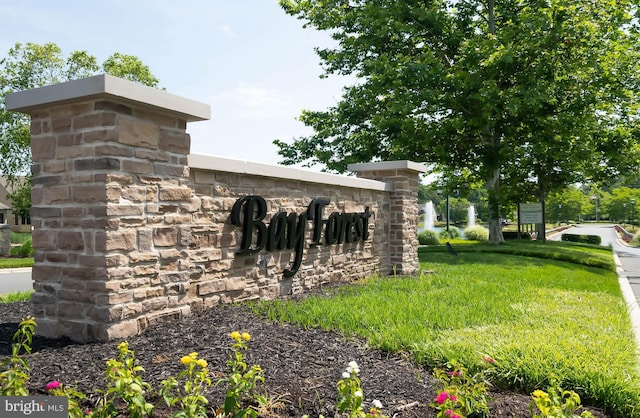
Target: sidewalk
630	298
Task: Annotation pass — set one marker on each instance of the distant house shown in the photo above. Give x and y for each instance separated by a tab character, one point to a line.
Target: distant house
19	223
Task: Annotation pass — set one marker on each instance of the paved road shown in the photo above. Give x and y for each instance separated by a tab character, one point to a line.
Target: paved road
15	280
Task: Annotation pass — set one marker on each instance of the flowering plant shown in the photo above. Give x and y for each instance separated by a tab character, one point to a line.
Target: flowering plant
557	403
462	394
191	386
352	397
242	379
13	380
124	384
73	395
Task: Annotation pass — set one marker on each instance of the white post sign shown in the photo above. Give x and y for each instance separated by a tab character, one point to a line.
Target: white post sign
530	213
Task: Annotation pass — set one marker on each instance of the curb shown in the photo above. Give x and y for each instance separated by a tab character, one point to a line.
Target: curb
630	300
15	270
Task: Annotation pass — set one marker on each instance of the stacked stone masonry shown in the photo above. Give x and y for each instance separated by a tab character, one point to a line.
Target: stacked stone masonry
128	234
5	240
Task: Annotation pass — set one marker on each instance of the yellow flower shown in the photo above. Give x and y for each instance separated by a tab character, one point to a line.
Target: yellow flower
123	346
202	363
540	394
186	360
235	335
246	336
193	354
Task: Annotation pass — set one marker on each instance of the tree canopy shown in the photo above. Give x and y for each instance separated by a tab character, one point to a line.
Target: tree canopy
518	92
30	66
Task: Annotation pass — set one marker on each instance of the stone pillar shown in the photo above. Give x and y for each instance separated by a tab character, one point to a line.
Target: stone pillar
404	178
109	158
5	240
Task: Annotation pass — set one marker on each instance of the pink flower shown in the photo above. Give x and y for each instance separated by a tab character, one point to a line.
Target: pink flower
53	385
455	373
489	359
453	398
451	414
442	397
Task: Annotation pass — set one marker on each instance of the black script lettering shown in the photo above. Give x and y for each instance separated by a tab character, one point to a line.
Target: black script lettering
287	231
315	214
277	232
248	213
362	225
332	231
348	226
295	241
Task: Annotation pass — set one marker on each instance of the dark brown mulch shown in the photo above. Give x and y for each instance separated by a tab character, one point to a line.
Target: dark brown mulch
301	365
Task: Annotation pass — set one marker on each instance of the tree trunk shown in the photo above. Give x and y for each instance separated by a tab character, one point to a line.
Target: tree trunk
493	181
542	232
495	226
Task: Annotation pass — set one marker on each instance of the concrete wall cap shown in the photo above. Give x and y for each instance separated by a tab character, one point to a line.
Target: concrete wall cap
214	163
105	86
388	165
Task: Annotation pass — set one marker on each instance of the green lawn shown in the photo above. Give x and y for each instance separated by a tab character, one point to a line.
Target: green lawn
539	318
20	237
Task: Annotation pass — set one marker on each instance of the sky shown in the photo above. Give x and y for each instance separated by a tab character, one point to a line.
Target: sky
247	59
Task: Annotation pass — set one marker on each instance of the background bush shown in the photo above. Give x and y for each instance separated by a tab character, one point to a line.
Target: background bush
25	250
476	233
452	233
514	235
586	239
428	237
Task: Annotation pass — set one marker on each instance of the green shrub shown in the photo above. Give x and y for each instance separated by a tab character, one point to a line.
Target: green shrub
428	237
476	233
514	235
635	241
452	233
25	250
586	239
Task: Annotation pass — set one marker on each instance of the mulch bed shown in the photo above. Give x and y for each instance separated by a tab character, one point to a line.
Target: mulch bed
301	365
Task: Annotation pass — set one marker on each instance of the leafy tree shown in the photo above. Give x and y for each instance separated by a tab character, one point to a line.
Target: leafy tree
596	209
511	92
622	204
567	205
32	65
458	209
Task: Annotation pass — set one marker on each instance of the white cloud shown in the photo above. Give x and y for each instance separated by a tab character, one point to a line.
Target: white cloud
227	31
256	100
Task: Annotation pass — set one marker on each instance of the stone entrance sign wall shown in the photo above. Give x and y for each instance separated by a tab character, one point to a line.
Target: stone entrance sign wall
130	229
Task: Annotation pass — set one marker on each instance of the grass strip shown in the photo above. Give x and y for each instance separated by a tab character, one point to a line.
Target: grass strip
21	296
9	263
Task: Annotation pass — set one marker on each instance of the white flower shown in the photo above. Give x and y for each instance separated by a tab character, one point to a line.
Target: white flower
354	366
346	375
376	404
358	394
